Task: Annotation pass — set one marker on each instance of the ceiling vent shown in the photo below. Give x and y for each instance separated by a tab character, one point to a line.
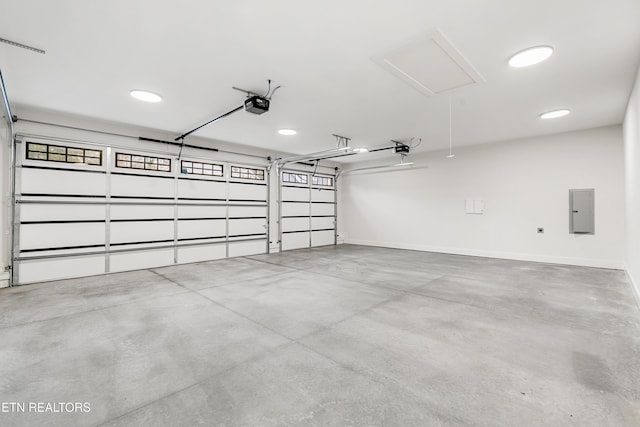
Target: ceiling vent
431	65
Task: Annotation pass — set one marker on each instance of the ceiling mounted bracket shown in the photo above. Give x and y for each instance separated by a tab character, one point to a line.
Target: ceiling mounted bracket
250	94
342	141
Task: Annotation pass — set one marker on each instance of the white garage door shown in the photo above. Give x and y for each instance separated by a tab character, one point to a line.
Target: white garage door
307	209
84	209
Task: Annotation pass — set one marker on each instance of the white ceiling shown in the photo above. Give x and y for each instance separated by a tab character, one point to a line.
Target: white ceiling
321	52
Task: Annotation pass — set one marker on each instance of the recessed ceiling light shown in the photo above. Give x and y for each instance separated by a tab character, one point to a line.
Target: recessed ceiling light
287	132
530	56
554	114
360	150
146	96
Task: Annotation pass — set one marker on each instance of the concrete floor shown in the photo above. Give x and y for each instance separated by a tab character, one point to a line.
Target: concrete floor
334	336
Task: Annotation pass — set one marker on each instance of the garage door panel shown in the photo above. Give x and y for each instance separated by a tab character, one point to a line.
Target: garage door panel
295	241
247	211
322	238
42	181
41	212
127	261
201	253
247	192
314	210
199	229
202	211
189	188
297	193
39	236
253	247
119	212
70	250
295	224
60	268
295	209
322	223
127	232
322	209
130	185
247	226
322	196
247	202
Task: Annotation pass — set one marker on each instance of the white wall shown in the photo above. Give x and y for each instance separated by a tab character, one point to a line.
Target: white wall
632	185
524	184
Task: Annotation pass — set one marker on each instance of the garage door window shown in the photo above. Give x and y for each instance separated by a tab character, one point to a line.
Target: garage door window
134	161
322	180
295	178
59	153
199	168
247	173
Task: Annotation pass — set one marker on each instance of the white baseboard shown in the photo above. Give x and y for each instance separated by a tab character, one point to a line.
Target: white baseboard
634	287
583	262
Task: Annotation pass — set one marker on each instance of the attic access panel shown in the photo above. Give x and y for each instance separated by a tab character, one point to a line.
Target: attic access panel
431	65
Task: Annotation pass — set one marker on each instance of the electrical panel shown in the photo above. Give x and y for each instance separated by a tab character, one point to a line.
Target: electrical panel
581	211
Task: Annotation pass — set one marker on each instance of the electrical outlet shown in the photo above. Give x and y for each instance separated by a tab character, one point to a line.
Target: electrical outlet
540	230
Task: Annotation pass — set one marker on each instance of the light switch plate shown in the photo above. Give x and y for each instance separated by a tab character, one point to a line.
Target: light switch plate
474	206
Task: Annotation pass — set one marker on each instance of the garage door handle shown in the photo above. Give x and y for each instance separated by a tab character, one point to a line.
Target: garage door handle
575	211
